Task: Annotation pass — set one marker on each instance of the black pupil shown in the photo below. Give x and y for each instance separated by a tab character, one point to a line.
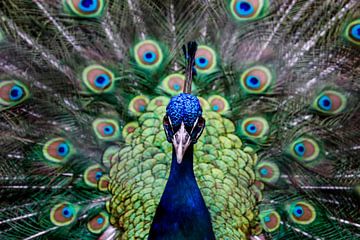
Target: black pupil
202	60
100	80
245	6
61	149
254	80
148	55
14	92
301	149
86	3
326	103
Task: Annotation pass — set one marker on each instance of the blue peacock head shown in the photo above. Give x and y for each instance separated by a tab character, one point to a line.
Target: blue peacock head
183	122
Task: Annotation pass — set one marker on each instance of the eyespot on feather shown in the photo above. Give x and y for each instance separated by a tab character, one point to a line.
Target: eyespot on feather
63	214
329	102
302	212
305	149
92	175
148	54
173	84
256	80
106	129
254	128
352	32
98	79
85	8
205	60
218	104
247	10
12	92
58	150
268	172
98	223
270	220
103	183
138	105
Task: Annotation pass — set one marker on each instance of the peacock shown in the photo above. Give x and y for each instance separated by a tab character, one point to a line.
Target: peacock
180	120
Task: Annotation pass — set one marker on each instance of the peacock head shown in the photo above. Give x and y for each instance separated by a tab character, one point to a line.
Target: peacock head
183	123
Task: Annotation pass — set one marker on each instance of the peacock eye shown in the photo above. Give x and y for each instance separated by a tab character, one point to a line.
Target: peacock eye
197	129
174	83
148	54
12	93
329	102
98	223
256	80
57	150
243	10
98	79
205	59
63	214
267	172
93	174
270	220
86	8
169	131
218	104
106	129
352	32
138	105
305	149
302	212
254	128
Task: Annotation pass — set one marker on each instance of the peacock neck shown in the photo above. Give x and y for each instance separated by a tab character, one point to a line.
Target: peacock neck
182	213
182	172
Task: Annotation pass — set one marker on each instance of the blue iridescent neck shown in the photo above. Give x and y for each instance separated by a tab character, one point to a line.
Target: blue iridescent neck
182	213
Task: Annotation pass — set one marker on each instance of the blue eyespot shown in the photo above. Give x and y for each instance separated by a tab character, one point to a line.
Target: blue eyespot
355	31
67	212
251	128
102	81
325	103
264	171
176	87
63	149
149	57
98	175
100	220
253	82
16	93
267	218
300	149
215	108
142	108
298	211
88	5
108	130
201	62
244	8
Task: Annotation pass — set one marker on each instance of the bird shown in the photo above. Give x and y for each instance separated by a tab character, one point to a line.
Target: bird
179	120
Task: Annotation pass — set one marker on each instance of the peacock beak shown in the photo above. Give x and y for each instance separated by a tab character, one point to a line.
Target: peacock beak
181	142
